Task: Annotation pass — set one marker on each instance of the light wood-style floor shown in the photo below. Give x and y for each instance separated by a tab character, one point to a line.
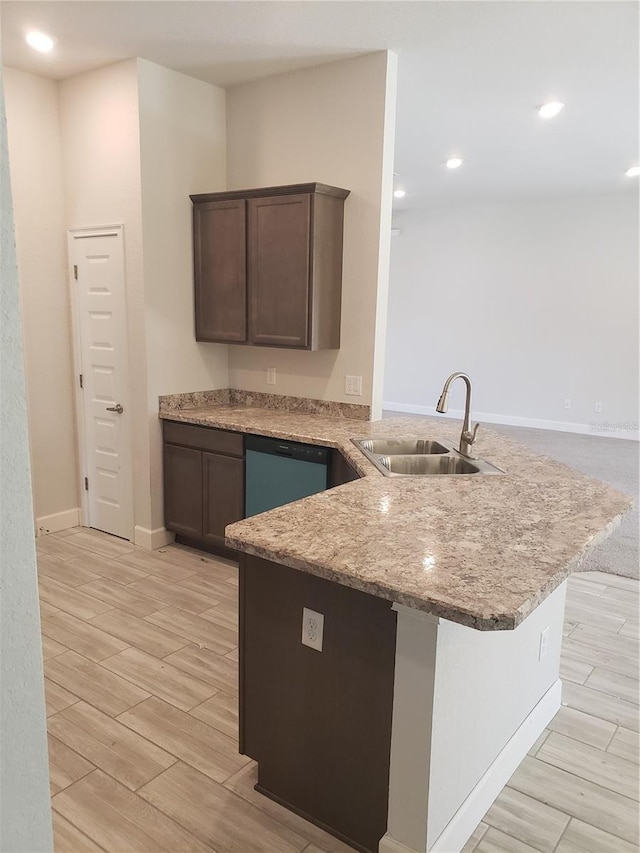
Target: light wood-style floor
141	683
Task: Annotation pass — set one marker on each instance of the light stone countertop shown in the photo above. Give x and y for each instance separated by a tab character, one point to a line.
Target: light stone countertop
483	551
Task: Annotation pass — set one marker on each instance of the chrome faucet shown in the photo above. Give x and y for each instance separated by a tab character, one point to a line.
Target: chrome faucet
467	438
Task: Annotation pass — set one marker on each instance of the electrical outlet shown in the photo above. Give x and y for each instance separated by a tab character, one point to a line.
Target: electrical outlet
271	376
567	403
353	385
597	408
312	629
544	644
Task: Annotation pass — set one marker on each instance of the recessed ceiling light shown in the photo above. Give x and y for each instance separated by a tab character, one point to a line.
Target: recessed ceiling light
39	41
633	172
399	193
454	163
550	110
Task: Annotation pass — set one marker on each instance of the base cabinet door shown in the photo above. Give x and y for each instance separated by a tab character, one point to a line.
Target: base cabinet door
223	495
183	490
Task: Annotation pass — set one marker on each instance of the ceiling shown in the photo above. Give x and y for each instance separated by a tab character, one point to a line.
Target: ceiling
470	74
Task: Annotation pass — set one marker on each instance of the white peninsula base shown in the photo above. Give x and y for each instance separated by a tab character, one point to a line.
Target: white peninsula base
467	707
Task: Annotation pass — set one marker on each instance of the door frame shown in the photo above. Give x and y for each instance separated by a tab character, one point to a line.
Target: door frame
74	234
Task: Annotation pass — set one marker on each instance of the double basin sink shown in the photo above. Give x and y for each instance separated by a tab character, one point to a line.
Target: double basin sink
411	457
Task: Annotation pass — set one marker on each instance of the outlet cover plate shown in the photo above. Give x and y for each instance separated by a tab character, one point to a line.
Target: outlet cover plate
271	376
544	644
353	385
312	629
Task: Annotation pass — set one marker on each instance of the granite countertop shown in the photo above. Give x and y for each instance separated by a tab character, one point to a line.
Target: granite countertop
483	551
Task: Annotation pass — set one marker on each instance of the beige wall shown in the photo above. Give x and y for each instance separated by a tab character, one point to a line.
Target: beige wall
123	144
101	159
182	151
333	124
134	140
36	172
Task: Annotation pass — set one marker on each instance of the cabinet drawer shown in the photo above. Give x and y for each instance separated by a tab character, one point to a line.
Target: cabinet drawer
204	438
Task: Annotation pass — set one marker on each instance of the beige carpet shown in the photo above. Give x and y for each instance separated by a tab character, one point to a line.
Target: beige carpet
612	460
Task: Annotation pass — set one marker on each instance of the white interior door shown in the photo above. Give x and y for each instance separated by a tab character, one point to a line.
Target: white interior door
99	282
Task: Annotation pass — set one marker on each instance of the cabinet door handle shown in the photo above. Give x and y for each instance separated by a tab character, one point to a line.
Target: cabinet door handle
117	408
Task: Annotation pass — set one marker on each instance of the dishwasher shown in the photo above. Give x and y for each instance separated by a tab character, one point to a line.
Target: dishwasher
279	472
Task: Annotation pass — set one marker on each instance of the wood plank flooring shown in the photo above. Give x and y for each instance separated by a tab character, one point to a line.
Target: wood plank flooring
141	664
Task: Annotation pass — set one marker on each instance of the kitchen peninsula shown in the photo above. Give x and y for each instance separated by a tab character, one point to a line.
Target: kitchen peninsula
443	602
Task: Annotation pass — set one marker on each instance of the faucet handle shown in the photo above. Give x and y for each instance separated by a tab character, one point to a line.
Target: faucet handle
470	437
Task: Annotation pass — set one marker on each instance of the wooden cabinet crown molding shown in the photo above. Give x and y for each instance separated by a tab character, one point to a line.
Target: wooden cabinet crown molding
261	192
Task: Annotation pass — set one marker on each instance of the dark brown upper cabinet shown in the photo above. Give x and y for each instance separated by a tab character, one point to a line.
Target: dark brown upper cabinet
220	270
268	266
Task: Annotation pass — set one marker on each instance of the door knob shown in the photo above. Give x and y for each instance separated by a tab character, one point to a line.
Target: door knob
117	408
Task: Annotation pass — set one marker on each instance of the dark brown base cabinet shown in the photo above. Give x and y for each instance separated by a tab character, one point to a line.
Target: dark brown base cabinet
203	483
268	266
318	723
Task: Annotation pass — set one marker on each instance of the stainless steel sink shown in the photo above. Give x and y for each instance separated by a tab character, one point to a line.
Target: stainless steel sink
411	457
413	465
400	446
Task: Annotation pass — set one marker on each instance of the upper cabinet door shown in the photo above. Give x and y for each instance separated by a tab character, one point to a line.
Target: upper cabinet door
279	237
220	270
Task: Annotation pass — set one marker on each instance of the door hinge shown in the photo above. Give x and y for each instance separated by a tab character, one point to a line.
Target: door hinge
81	385
75	271
86	484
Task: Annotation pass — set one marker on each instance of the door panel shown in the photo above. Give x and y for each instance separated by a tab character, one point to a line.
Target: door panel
183	490
223	492
103	355
279	257
220	265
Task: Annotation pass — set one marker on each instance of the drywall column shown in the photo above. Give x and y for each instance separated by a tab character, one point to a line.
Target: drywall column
182	151
467	707
101	159
25	811
414	678
384	247
335	124
36	177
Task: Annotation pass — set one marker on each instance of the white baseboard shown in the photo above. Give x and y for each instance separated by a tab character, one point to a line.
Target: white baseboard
459	829
604	430
57	521
152	539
